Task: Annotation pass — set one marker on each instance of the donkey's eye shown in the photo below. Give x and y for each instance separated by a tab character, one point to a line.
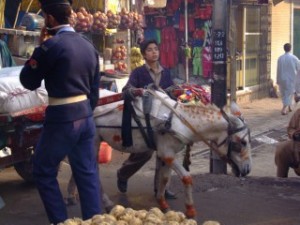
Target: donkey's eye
243	143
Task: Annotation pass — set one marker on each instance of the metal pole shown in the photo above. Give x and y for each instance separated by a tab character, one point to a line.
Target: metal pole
218	87
186	40
17	15
232	50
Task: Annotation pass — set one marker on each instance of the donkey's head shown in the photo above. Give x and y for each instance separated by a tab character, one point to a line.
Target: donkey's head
235	145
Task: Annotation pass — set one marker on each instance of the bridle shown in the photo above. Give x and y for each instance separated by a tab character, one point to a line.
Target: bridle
231	130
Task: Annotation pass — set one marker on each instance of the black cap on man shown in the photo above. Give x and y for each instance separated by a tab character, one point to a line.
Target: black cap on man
48	3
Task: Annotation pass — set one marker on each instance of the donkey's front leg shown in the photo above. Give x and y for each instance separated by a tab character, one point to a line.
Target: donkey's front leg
163	179
186	179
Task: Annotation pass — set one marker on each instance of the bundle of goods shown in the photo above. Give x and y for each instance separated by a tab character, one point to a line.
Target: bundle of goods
126	19
138	21
113	20
13	96
84	20
100	22
195	95
136	58
128	216
130	20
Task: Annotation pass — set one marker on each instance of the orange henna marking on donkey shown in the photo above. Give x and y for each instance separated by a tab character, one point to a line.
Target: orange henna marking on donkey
163	204
168	160
190	211
187	180
117	138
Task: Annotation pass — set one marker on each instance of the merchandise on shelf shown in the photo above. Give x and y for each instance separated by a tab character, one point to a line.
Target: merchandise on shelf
136	58
118	57
119	53
84	20
113	20
100	22
130	20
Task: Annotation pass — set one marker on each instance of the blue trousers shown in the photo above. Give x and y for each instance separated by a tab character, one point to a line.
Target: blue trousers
76	140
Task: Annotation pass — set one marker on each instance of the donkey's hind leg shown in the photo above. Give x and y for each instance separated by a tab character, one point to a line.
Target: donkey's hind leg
72	192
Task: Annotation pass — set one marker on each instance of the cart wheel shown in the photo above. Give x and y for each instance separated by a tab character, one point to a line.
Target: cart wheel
24	169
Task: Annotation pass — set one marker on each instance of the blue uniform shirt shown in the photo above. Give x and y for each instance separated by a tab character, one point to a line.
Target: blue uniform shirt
69	65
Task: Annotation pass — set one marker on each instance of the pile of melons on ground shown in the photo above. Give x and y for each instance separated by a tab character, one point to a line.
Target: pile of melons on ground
128	216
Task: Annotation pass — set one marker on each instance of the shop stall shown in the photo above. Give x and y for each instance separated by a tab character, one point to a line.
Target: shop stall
183	29
110	25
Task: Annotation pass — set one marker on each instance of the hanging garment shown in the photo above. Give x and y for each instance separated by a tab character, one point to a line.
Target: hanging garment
169	47
197	61
207	62
151	33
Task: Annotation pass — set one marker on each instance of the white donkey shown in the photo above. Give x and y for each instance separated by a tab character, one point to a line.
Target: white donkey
174	126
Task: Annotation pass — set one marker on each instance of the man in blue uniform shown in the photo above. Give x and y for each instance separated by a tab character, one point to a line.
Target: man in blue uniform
69	65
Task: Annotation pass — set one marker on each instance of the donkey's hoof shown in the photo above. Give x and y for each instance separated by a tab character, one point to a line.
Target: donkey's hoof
71	201
165	210
108	208
190	211
163	204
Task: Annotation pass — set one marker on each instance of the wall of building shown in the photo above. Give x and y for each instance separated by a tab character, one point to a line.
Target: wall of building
281	32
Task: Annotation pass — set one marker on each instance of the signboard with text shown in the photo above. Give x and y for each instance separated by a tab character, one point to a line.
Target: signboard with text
219	46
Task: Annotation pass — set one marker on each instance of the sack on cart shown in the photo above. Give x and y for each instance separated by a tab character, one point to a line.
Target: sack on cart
14	97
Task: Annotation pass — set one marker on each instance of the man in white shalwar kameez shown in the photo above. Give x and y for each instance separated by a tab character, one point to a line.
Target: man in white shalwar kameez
287	68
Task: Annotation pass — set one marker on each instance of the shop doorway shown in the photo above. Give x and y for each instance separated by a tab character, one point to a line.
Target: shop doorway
251	24
296	32
251	45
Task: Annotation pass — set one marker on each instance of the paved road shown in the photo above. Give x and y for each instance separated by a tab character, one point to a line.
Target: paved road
260	199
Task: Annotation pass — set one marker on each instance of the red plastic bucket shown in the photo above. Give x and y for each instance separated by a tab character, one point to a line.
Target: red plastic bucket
105	151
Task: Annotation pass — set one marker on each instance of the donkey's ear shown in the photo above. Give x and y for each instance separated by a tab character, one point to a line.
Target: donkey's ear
235	109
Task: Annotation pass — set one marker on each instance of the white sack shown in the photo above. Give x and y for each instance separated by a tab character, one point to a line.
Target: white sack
14	97
10	71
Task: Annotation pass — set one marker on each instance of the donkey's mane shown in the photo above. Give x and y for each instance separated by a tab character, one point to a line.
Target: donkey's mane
201	105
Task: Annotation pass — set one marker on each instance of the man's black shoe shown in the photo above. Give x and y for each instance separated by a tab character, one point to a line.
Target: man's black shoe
168	194
122	185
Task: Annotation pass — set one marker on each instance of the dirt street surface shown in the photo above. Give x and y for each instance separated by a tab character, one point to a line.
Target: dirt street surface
258	199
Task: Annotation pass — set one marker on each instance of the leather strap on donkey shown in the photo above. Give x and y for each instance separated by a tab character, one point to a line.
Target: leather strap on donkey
147	106
128	114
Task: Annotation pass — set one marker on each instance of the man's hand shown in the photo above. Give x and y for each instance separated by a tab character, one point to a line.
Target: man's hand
131	93
44	35
137	92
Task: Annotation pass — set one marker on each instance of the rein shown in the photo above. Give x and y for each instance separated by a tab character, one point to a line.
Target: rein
232	131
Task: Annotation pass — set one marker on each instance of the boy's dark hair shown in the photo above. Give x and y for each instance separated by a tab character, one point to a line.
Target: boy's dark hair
287	47
144	45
